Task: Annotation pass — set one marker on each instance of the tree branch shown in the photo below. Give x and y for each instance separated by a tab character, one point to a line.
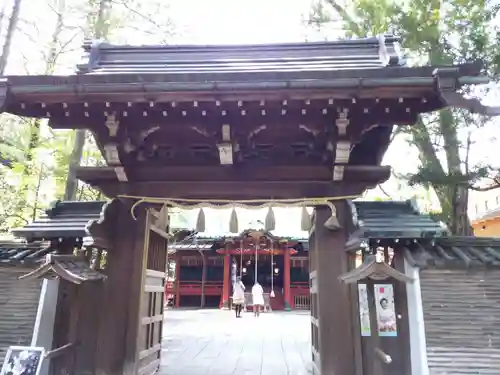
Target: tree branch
487	188
353	25
384	192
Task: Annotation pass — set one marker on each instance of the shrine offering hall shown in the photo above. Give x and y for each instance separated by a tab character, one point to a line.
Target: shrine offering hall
206	268
301	125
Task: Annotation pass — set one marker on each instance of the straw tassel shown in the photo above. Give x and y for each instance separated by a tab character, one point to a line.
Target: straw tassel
270	223
333	222
200	221
305	220
233	222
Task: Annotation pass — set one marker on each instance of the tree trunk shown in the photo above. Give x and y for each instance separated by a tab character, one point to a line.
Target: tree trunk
37	193
459	222
74	162
11	28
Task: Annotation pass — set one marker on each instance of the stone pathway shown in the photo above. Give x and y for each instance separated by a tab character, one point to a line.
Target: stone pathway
214	342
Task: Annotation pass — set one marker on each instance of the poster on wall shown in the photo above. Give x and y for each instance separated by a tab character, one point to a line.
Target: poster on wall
386	313
22	360
364	310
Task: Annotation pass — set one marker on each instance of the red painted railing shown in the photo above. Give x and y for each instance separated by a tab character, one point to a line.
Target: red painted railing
193	288
298	288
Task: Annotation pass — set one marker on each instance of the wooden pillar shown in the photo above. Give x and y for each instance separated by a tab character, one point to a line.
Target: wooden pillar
178	280
43	332
225	285
336	340
203	278
286	280
120	290
314	305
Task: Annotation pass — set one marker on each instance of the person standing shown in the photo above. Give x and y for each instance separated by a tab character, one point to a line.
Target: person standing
257	298
238	296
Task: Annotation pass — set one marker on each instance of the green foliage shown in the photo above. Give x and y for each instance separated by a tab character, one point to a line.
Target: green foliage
430	178
437	33
48	41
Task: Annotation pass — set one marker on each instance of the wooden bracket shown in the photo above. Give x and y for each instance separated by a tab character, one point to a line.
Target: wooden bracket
101	228
375	271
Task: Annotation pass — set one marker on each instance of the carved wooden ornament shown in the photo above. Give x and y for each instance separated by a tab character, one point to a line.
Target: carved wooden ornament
71	268
374	270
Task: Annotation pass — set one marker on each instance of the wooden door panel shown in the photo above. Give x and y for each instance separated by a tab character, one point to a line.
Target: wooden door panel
151	301
376	347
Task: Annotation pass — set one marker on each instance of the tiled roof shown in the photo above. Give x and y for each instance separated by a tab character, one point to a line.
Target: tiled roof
190	246
67	219
455	252
64	219
21	253
188	61
205	242
489	215
390	219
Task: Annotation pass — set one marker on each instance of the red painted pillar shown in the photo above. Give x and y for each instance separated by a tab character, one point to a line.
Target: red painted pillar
178	281
286	281
225	286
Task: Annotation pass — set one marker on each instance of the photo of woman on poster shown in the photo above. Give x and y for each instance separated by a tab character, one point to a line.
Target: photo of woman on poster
386	315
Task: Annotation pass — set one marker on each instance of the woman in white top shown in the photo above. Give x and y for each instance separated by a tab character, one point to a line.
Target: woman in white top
257	298
238	296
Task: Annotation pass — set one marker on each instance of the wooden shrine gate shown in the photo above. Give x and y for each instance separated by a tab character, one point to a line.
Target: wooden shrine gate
303	122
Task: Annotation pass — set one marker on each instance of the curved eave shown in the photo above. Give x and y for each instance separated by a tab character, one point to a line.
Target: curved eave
493	215
485	221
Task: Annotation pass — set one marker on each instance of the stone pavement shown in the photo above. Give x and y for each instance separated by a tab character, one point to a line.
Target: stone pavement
214	342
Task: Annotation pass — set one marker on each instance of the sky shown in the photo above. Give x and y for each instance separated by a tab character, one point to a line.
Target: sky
239	21
225	22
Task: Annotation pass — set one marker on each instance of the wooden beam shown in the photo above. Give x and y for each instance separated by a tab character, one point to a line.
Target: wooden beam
232	190
387	111
362	173
130	92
